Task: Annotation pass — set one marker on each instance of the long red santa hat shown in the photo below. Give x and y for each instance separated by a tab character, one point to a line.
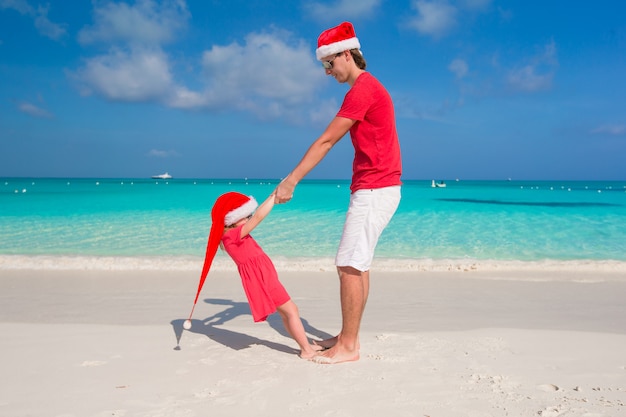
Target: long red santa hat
228	209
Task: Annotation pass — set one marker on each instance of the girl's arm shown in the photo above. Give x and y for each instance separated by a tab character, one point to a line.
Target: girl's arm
260	213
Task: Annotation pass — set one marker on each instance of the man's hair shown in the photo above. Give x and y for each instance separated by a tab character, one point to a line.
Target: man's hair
358	58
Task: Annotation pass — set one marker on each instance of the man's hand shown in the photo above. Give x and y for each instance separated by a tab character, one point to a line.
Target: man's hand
284	191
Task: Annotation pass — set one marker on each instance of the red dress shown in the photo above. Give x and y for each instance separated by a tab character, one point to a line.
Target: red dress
258	274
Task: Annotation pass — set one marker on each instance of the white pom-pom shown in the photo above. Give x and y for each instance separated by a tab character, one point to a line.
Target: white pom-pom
187	324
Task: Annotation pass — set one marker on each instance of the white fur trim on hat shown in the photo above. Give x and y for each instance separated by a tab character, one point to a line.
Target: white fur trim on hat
335	48
241	212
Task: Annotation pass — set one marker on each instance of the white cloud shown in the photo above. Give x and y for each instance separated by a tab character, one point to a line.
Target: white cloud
33	110
269	74
612	130
264	68
458	67
538	73
146	22
39	15
158	153
266	76
549	54
183	98
20	6
135	68
325	111
528	79
505	14
341	9
475	4
437	18
434	18
138	75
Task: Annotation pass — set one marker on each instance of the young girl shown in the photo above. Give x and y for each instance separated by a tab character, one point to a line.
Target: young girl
234	217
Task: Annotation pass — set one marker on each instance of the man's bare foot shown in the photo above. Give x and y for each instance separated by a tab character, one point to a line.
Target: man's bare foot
326	344
336	354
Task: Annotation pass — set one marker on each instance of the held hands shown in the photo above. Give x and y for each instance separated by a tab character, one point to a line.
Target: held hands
284	191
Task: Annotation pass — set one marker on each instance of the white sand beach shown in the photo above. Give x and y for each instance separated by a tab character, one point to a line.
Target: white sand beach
81	343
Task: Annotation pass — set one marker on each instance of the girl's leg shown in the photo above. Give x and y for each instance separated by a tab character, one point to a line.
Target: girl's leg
293	324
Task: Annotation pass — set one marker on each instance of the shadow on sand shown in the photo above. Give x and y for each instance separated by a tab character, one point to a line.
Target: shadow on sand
236	340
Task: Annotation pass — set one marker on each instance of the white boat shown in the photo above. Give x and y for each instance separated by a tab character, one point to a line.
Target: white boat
439	184
165	176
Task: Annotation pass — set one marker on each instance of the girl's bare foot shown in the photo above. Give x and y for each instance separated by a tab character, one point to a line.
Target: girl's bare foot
311	352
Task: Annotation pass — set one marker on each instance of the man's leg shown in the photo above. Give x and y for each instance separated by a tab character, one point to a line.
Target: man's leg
328	343
368	215
366	288
354	288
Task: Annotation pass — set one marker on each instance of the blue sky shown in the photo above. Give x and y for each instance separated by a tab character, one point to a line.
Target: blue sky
483	89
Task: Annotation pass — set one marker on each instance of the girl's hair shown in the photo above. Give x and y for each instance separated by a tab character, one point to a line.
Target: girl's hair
231	226
226	228
358	58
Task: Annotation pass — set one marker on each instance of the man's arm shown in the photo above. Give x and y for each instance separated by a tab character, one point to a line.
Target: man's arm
337	129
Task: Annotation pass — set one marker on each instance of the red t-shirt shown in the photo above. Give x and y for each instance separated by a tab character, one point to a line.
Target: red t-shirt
377	161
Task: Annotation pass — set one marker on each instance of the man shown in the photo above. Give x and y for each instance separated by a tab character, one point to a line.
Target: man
367	113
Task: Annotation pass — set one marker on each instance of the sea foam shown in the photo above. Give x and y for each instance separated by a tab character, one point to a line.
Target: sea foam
189	263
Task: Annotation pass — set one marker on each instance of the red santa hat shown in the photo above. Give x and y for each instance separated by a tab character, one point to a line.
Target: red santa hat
338	39
228	209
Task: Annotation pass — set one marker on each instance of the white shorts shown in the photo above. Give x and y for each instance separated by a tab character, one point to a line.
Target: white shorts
369	213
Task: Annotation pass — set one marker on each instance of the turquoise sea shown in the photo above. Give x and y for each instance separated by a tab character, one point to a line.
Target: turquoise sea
170	219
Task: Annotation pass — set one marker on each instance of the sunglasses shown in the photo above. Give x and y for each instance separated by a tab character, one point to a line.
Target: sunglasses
329	64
